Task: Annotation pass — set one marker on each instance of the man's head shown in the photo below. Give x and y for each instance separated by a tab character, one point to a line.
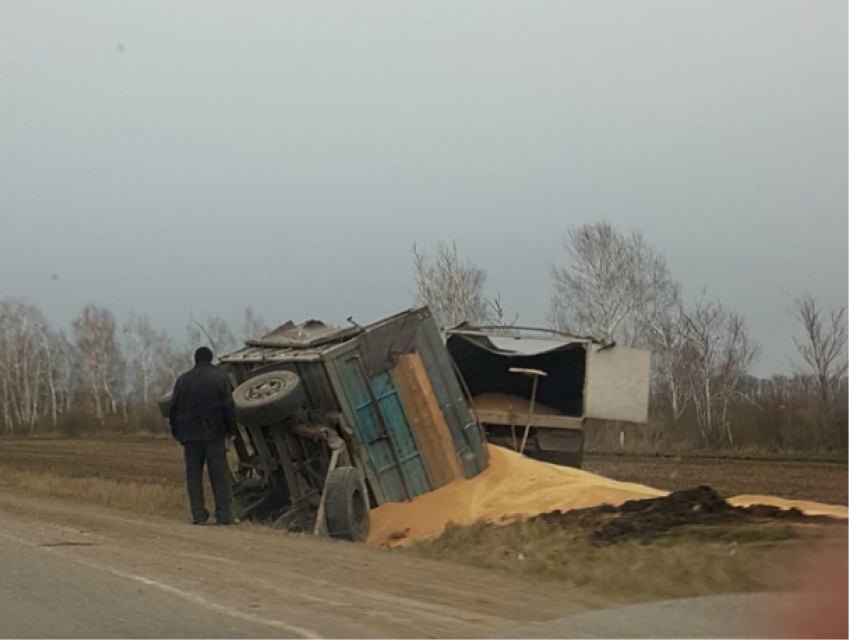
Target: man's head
203	355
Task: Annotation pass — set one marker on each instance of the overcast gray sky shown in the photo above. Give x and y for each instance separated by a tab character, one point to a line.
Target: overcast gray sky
170	157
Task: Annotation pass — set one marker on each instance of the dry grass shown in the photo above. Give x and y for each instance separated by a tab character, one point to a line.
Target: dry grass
144	498
693	562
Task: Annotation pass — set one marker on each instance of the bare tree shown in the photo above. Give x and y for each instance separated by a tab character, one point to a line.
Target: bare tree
101	362
148	350
174	361
718	354
255	326
666	339
24	364
50	350
218	336
66	364
495	314
452	288
823	346
613	287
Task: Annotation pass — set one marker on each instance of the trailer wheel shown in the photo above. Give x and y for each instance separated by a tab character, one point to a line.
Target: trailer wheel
164	404
567	459
346	506
268	398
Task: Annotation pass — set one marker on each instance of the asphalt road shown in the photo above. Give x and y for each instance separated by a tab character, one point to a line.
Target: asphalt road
79	571
728	616
45	595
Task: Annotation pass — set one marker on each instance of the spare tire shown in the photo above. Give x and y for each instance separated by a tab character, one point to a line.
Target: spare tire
346	505
269	398
164	404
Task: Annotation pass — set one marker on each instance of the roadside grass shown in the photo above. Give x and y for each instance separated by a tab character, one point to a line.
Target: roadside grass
687	562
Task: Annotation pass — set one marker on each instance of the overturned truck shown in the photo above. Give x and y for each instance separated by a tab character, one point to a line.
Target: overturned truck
334	421
536	390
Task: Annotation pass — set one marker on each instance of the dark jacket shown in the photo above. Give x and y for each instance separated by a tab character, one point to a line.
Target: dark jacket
202	405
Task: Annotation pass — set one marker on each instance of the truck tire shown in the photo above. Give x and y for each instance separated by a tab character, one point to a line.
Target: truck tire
164	404
268	398
561	447
567	459
346	506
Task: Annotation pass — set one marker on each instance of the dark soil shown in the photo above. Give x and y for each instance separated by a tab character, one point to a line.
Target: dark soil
648	519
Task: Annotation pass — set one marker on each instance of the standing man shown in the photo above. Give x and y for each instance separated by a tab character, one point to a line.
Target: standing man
202	415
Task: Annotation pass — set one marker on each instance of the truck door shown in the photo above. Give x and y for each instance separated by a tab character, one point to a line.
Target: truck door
616	384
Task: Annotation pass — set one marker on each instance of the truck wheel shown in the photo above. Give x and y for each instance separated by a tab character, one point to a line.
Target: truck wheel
346	506
268	398
567	459
164	404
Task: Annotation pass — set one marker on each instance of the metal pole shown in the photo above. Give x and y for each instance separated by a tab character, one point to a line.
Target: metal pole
536	374
530	414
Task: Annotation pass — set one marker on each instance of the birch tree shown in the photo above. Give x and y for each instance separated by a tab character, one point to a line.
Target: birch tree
101	362
23	364
49	349
666	339
148	351
453	289
718	353
66	371
613	286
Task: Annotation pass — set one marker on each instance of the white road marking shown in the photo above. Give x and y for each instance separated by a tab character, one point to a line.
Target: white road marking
304	633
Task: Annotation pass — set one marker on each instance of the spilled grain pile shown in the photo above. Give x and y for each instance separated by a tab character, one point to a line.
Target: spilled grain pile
513	486
810	508
516	487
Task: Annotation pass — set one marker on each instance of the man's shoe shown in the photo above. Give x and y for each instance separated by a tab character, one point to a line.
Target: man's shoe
228	522
201	519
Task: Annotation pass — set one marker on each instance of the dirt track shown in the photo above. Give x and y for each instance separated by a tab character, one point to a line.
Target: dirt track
810	480
299	586
159	461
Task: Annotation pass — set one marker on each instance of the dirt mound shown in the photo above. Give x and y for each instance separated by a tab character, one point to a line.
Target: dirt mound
647	519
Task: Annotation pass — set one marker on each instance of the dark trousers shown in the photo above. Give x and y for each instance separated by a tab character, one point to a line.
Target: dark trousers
214	454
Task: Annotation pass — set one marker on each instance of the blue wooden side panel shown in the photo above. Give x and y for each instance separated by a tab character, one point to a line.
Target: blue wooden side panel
407	446
465	432
377	444
334	371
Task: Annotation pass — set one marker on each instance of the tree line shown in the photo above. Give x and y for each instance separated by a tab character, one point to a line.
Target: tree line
615	287
101	375
612	286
